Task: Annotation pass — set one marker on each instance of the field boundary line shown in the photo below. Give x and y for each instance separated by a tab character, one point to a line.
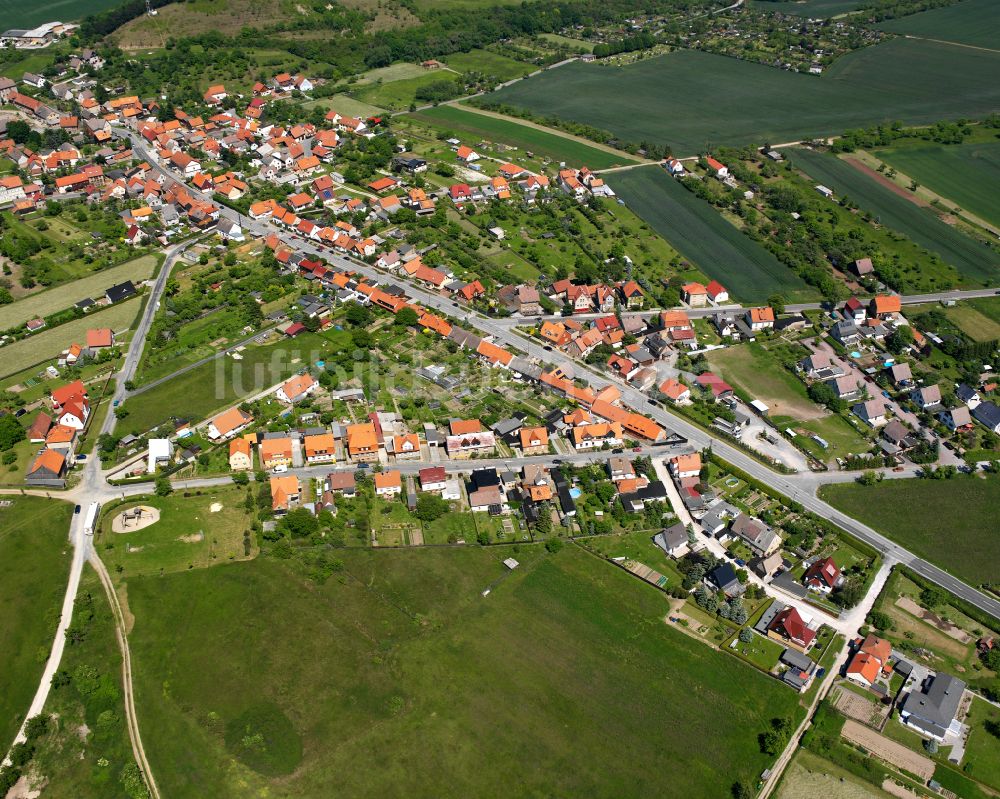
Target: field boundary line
131	719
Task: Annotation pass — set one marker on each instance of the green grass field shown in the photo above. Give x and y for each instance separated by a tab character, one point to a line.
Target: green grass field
972	22
48	344
984	746
213	386
967	174
189	534
87	746
396	677
36	553
809	775
975	261
18	14
488	63
472	126
62	297
696	101
698	232
951	523
396	95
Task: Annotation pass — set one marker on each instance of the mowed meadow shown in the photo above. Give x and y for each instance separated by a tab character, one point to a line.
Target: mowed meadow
695	101
396	677
699	233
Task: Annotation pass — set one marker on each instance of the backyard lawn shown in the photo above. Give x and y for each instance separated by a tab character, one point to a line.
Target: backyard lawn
951	523
35	552
566	669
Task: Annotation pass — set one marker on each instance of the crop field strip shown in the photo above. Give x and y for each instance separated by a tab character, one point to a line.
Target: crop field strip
695	101
971	258
921	514
971	22
524	137
807	8
65	296
967	174
698	232
40	347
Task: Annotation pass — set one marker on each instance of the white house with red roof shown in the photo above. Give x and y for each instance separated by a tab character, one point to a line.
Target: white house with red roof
717	293
823	576
721	170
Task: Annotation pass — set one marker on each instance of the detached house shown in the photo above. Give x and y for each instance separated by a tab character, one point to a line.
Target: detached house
297	388
823	576
240	455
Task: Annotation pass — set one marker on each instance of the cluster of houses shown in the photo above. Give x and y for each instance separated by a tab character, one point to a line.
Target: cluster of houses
57	431
930	703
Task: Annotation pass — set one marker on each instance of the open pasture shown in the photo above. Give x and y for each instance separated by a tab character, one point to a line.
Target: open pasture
971	22
397	677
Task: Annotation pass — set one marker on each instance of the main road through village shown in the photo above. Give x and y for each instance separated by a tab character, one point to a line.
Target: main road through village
92	485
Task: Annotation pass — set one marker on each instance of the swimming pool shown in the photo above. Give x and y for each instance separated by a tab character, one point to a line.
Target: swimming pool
576	493
855	354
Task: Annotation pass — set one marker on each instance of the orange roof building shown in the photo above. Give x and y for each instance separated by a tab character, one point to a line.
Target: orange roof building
390	482
464	427
534	440
284	491
362	441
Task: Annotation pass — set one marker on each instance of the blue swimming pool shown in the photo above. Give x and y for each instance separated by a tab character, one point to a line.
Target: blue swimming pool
855	354
575	493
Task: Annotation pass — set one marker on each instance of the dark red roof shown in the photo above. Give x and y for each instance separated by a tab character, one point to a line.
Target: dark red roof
789	624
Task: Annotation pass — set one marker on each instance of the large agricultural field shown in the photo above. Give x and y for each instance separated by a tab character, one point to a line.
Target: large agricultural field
807	8
951	523
19	14
695	101
974	261
62	297
971	22
35	552
471	127
698	232
967	174
48	344
396	677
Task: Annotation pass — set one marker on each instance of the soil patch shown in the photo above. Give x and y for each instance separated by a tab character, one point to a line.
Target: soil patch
878	177
215	507
194	538
933	619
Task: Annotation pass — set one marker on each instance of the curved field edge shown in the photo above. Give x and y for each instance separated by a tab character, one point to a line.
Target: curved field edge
402	678
951	523
699	233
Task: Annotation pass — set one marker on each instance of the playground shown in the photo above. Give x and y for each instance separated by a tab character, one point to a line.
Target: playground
132	519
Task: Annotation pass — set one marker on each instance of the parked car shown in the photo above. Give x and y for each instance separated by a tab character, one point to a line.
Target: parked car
279	469
76	509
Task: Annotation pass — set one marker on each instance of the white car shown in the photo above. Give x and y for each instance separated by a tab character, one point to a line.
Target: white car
279	469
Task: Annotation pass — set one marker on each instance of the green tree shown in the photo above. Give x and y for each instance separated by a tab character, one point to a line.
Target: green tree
407	317
163	487
299	523
11	432
430	507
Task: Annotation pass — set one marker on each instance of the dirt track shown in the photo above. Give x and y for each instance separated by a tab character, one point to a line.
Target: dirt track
878	177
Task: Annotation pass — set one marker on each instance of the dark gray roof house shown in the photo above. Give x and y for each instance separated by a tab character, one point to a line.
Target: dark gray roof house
988	415
120	292
672	540
932	709
723	577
